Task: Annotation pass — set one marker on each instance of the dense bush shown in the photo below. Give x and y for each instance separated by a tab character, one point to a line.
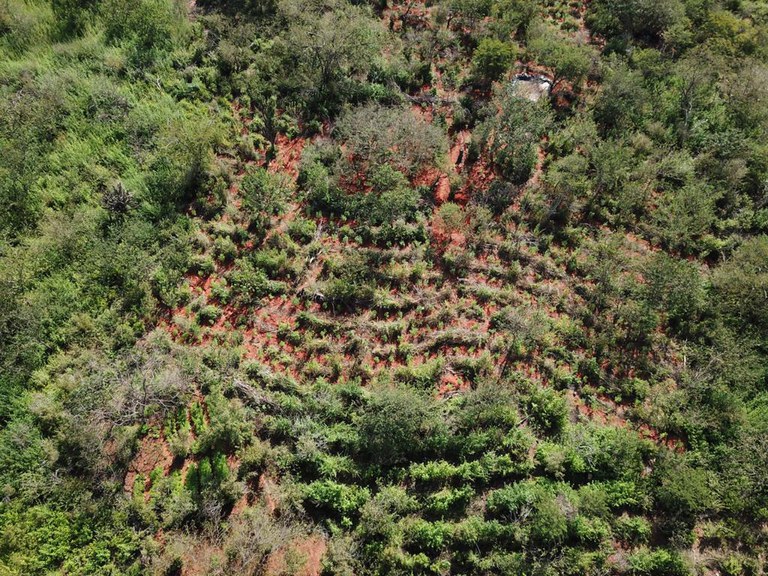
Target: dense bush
376	136
396	426
492	58
511	136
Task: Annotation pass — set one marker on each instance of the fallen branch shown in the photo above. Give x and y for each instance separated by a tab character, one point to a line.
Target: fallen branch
250	393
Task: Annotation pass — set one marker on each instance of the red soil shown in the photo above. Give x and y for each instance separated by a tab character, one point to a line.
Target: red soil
153	452
288	155
310	549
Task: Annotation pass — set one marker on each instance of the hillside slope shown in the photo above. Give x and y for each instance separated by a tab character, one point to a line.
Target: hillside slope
329	287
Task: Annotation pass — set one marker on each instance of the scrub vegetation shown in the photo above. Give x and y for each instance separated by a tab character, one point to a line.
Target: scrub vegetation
348	287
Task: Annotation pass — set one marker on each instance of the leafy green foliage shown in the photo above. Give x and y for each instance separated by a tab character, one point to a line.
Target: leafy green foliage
511	137
570	61
396	426
740	283
636	17
284	283
491	59
378	136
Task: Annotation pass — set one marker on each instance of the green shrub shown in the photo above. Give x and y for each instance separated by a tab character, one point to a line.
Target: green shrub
610	453
203	265
449	500
433	472
343	502
220	290
492	58
343	294
589	532
549	525
511	501
224	249
208	315
647	562
429	536
275	263
323	194
423	376
228	425
250	284
197	417
302	230
456	260
263	192
547	410
633	529
476	532
395	426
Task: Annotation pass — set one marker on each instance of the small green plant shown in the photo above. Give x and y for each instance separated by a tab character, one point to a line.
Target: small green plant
208	314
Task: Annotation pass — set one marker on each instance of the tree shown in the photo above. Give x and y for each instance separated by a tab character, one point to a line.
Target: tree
375	135
511	137
492	59
73	15
182	156
565	187
31	119
619	108
263	193
741	284
684	218
622	180
675	288
513	17
570	60
254	535
683	493
466	13
395	426
645	19
696	77
328	48
745	484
